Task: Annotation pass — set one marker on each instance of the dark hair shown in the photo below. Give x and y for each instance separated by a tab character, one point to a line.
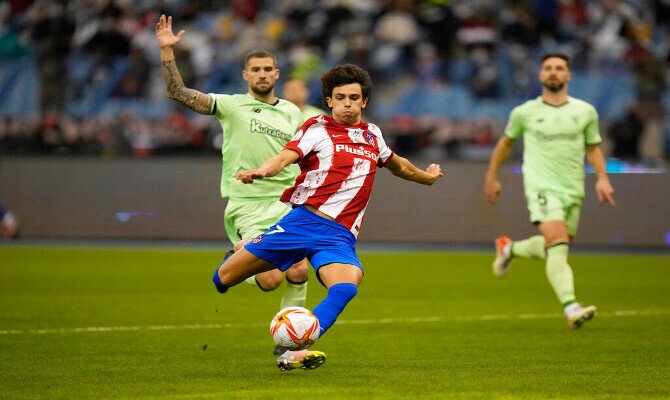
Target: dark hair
259	54
343	75
562	56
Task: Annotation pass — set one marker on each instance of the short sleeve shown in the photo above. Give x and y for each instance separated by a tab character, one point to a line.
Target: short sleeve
592	130
306	138
385	153
514	128
221	106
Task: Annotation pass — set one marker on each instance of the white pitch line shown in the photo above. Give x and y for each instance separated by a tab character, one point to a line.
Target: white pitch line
415	320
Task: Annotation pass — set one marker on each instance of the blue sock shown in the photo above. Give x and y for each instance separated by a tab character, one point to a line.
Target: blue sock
330	308
220	287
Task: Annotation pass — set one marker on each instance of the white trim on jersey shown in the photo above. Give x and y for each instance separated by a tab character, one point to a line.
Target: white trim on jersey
314	179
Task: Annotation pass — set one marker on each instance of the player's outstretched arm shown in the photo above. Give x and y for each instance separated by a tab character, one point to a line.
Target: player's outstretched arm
403	168
191	98
604	188
270	168
492	187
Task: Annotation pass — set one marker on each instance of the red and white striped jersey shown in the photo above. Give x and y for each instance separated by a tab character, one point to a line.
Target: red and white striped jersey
337	168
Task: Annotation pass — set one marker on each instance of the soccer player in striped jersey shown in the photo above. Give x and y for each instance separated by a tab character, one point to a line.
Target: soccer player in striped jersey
256	126
558	130
338	158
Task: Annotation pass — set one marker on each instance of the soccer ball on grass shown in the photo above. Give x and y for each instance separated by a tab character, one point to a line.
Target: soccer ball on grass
294	328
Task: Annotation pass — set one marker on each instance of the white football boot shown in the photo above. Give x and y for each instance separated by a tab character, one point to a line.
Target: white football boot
577	315
503	256
305	359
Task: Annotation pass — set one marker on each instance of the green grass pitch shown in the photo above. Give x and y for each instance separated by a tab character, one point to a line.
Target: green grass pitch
148	324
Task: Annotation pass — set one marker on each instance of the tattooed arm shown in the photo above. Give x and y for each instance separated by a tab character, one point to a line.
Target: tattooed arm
193	99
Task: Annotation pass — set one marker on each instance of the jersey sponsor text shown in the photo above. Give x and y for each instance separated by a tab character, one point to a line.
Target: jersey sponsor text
357	151
258	127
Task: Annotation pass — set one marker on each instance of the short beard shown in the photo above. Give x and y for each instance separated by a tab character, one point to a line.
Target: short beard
553	87
262	92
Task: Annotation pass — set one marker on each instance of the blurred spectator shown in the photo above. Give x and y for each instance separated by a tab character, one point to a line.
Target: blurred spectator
521	25
573	18
52	28
650	88
10	224
134	81
479	37
484	74
441	25
246	10
609	20
625	134
12	46
295	90
546	14
95	60
405	134
397	34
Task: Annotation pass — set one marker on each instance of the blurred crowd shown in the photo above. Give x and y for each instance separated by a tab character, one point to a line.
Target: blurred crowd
100	90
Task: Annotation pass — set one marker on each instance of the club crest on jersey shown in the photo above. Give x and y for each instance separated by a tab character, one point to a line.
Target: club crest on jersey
369	137
258	238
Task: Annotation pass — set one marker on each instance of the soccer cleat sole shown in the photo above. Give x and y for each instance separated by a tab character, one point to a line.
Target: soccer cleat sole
313	360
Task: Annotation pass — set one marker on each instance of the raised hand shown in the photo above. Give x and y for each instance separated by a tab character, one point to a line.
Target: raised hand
164	34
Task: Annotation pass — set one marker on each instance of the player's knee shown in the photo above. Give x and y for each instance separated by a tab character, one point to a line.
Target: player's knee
298	272
557	241
269	280
241	244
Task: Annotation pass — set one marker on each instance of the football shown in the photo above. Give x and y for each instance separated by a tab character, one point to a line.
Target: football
294	328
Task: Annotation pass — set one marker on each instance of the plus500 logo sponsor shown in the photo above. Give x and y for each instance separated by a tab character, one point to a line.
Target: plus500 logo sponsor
357	151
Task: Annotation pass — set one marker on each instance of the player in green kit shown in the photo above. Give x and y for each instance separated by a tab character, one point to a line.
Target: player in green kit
256	126
558	130
295	90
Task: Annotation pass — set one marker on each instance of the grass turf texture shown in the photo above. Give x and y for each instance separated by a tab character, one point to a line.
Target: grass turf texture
145	324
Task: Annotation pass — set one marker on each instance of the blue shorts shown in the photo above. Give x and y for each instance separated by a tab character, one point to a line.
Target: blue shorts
304	234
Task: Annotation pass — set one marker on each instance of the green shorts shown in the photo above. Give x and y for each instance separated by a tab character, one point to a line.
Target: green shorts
548	206
246	219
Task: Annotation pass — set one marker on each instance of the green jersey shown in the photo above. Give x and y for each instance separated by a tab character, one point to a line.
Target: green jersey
254	131
554	141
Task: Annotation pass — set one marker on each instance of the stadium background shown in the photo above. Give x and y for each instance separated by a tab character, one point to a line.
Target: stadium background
91	147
